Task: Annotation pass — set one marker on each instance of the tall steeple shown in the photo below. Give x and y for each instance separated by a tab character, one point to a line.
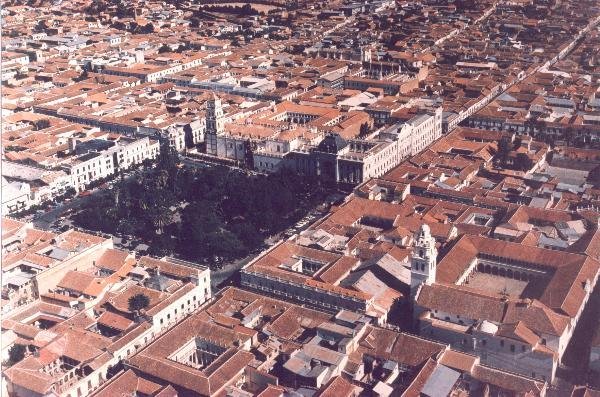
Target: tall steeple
423	259
214	123
214	115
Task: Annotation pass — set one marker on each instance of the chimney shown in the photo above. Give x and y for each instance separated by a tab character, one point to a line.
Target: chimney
72	144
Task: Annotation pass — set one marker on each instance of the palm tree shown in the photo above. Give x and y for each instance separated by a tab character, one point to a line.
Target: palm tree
161	180
161	217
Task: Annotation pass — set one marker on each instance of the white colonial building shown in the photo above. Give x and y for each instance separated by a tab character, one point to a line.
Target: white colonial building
97	159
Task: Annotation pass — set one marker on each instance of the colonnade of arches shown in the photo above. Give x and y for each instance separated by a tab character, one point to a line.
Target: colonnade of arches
503	272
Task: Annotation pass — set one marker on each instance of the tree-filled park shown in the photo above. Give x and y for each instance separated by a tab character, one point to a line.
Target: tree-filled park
200	213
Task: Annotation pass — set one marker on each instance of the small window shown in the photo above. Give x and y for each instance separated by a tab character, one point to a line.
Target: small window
483	342
512	348
501	343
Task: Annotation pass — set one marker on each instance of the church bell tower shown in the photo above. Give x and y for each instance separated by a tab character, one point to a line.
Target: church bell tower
423	260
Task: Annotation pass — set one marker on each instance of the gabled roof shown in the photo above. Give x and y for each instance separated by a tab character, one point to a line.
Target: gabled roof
518	331
466	303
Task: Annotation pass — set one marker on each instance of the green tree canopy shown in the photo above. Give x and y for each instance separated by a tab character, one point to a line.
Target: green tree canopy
16	353
138	302
41	124
504	148
200	212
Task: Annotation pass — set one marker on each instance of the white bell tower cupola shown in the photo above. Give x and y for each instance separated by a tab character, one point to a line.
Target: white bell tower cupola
423	259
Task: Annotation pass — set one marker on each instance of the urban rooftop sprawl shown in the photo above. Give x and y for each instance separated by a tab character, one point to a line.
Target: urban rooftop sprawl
300	198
